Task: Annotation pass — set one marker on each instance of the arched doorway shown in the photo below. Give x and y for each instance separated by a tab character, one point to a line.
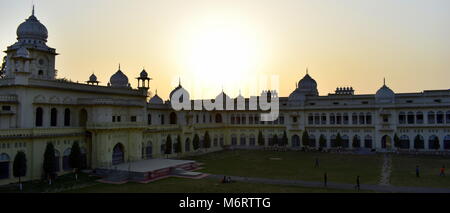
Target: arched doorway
83	117
149	150
218	118
295	140
4	166
386	142
118	155
187	145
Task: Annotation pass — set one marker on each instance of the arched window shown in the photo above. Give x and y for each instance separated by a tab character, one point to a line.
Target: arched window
447	117
354	118
322	141
323	119
57	161
312	141
66	163
332	118
39	116
173	118
252	140
162	147
447	142
345	141
368	118
433	142
419	142
333	141
149	119
243	141
419	117
216	141
4	166
187	145
233	140
368	141
345	118
316	118
53	117
361	118
410	118
118	155
219	118
404	142
356	143
149	150
431	117
402	118
67	117
440	117
310	119
338	118
295	141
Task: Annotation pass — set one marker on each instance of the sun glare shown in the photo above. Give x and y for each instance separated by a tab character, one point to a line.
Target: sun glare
221	55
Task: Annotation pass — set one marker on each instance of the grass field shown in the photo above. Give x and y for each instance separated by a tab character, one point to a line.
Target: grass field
293	165
404	173
182	185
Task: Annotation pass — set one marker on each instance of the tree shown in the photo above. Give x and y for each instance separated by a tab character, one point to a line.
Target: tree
356	142
396	141
3	67
49	161
284	139
417	142
207	142
261	141
168	147
322	141
338	140
305	139
196	142
178	147
75	158
20	166
274	140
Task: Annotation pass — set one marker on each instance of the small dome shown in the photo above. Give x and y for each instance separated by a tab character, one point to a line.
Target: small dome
143	74
22	52
296	96
308	83
93	78
156	100
385	94
119	79
32	29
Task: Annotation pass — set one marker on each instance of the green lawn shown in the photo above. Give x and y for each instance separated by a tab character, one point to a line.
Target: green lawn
404	171
183	185
293	165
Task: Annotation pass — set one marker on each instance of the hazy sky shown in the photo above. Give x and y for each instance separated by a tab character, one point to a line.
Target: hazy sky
235	44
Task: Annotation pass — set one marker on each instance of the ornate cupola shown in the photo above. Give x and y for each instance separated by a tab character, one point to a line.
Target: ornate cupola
143	77
92	80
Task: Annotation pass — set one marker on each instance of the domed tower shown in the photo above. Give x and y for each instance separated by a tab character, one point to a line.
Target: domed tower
307	86
385	94
92	80
119	80
143	77
185	93
32	35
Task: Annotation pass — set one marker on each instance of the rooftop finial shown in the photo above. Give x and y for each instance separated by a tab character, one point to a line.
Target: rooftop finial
179	81
32	11
119	66
384	81
306	70
156	92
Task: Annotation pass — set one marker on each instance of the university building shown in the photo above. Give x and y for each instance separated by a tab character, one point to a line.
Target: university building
116	123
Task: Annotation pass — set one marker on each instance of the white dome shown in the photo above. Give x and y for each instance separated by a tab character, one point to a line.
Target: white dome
385	94
119	79
156	100
22	52
32	29
179	87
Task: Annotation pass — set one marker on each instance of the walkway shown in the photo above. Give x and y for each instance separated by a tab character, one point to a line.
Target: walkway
372	187
385	177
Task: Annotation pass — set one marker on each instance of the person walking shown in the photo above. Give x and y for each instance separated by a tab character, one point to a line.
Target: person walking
417	171
358	186
316	165
442	171
325	177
